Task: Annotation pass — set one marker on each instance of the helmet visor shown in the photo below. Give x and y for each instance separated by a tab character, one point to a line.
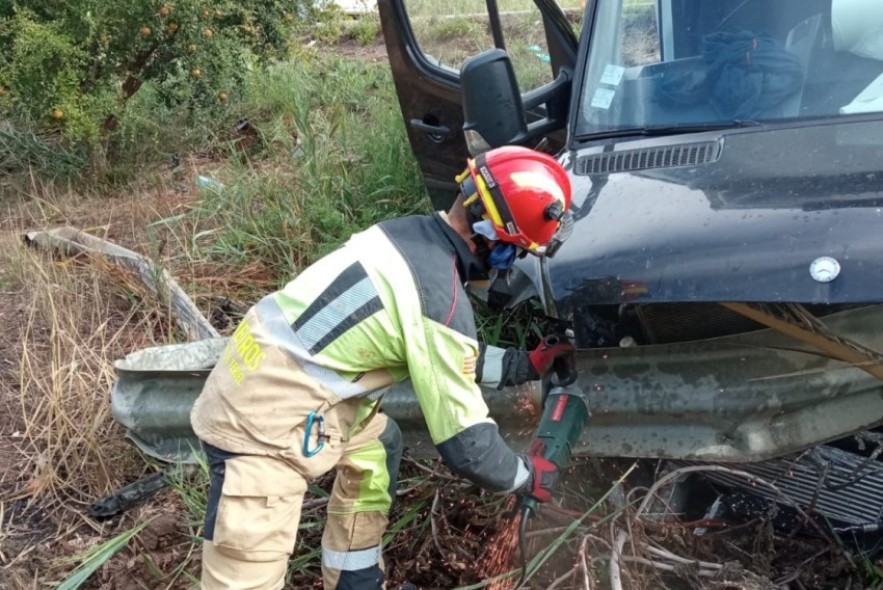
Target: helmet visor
565	229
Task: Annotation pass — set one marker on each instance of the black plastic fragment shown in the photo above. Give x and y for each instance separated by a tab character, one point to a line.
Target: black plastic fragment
128	496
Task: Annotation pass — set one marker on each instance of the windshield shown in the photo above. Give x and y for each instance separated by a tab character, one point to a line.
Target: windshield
687	63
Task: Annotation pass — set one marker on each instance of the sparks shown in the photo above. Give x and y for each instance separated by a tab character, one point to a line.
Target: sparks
498	555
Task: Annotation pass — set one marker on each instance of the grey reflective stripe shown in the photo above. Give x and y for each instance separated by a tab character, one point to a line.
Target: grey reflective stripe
280	330
350	561
376	395
339	315
522	474
492	366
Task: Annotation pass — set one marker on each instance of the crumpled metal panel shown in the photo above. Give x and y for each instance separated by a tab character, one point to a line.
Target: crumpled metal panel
733	399
154	391
745	227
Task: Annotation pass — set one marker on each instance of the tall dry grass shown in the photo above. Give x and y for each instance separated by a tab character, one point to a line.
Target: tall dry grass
77	322
66	321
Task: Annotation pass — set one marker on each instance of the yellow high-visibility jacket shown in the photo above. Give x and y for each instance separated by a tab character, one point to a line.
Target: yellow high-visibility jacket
389	304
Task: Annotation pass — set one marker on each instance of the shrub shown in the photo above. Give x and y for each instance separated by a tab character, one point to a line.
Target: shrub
365	29
72	67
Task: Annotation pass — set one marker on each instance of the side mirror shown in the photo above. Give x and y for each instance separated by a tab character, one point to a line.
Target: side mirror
493	111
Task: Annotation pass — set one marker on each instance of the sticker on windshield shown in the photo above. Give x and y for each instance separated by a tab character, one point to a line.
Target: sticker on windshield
612	75
603	97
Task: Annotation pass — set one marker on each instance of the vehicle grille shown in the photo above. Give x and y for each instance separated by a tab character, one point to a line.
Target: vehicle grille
840	485
694	154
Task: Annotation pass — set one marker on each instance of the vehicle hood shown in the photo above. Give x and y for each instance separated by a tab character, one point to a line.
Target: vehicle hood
745	226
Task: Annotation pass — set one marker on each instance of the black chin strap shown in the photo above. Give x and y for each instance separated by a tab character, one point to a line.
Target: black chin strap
481	249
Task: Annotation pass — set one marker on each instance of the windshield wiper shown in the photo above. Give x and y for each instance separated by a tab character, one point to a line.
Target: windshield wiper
658	130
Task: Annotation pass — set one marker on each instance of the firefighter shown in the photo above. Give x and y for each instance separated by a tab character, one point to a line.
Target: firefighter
297	390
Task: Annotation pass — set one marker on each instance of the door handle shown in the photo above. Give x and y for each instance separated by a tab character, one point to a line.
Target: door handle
436	133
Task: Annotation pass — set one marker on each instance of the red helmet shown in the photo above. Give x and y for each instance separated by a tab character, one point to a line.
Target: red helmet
523	193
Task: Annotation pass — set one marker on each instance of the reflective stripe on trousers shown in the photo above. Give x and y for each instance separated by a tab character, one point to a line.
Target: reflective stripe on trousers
254	507
363	494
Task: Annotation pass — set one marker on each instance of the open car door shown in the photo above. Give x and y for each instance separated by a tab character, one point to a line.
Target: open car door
428	41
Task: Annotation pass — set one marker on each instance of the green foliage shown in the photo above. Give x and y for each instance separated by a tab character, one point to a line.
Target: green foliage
21	150
364	30
74	66
330	25
452	27
522	326
336	160
192	486
94	558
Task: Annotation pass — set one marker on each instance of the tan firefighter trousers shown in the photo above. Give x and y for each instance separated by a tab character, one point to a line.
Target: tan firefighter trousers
253	422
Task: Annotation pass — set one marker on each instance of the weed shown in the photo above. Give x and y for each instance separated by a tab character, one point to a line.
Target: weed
531	64
74	326
521	326
455	27
364	30
95	557
327	173
191	484
330	25
20	151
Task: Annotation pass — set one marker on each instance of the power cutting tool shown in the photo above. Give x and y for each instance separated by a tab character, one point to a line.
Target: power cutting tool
565	415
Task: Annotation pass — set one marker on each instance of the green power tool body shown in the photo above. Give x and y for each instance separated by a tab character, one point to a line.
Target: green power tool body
565	416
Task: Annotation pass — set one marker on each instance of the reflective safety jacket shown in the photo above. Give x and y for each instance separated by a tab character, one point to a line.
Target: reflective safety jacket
389	304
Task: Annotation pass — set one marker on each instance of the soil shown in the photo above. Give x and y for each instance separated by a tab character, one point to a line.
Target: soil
349	48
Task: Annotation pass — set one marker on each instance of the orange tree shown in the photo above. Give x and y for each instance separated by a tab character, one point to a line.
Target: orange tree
74	66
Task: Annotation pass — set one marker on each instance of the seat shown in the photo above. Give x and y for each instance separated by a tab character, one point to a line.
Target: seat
800	42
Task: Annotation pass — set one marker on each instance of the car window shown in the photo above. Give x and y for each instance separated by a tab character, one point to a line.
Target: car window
668	63
449	31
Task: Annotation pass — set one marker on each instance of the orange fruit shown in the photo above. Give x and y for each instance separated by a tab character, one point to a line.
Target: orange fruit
222	96
208	33
173	27
206	13
2	91
58	114
145	31
289	17
192	48
195	73
165	11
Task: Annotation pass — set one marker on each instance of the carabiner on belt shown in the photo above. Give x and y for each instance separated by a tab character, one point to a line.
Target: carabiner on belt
319	422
